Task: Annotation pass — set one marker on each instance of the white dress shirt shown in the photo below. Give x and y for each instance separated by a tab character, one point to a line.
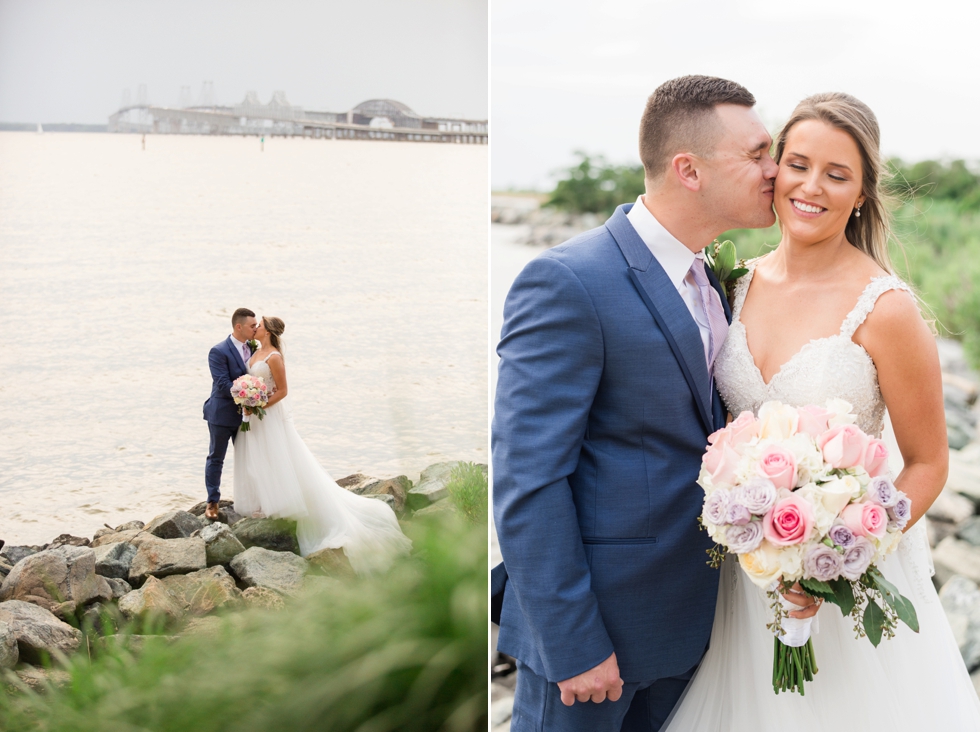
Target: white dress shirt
675	258
240	346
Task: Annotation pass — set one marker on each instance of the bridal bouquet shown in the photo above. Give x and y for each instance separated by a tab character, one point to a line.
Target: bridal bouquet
250	394
802	495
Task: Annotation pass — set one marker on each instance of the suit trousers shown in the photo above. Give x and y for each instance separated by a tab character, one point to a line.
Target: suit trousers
220	434
643	707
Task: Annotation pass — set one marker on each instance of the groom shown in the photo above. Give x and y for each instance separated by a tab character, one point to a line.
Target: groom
227	361
604	403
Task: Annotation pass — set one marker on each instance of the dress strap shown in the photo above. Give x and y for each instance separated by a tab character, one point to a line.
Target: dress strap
742	288
866	303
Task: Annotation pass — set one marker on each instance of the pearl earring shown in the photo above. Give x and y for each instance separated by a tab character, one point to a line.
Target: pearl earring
857	212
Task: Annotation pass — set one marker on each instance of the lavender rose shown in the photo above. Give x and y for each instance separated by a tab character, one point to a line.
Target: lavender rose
882	491
716	507
737	513
758	495
744	538
823	563
857	558
841	535
901	512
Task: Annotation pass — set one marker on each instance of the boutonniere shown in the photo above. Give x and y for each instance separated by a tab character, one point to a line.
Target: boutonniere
253	345
721	259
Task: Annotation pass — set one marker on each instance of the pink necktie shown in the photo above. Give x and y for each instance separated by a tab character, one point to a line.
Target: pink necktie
714	311
246	354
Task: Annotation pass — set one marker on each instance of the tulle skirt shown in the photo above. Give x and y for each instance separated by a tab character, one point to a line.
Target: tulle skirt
914	682
276	473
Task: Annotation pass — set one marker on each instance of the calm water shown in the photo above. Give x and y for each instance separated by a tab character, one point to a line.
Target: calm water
119	269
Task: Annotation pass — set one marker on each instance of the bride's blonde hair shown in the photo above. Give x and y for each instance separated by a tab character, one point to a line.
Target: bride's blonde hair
276	328
871	231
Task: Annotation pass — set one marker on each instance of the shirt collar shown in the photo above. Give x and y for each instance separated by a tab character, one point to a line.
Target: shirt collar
674	257
237	342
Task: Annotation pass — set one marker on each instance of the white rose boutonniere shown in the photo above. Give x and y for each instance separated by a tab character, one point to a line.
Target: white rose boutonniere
253	345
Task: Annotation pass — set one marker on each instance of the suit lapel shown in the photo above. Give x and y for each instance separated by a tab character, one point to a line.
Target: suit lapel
668	310
230	347
721	293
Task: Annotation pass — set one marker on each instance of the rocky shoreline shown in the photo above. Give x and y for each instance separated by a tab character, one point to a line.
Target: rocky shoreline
176	573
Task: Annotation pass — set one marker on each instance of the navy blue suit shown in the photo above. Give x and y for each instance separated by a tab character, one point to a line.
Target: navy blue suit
221	412
603	408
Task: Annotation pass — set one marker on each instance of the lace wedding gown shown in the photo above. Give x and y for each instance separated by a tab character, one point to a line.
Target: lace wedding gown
276	473
912	682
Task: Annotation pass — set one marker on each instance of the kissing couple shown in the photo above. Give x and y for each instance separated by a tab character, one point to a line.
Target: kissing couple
276	475
620	354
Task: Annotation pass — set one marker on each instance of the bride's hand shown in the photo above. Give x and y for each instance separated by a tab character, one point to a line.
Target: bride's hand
808	605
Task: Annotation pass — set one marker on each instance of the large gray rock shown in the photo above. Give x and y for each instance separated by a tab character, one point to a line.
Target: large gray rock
119	587
114	560
60	580
279	571
969	531
14	554
205	591
953	556
393	491
153	600
174	525
68	540
130	525
112	537
5	567
9	655
163	557
431	486
964	473
221	545
951	507
263	599
38	631
278	535
331	563
961	601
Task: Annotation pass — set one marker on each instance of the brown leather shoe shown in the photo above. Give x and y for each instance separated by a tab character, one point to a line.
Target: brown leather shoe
211	512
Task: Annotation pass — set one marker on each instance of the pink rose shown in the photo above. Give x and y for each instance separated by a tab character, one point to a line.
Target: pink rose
721	462
789	521
843	446
779	466
813	420
743	428
875	459
865	519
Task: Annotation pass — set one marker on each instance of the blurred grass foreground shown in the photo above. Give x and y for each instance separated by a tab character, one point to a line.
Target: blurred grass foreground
401	651
937	230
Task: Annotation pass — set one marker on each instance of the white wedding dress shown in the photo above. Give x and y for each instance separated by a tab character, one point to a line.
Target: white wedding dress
910	683
276	474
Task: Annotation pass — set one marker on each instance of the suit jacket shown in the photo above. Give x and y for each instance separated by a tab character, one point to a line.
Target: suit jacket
226	365
602	413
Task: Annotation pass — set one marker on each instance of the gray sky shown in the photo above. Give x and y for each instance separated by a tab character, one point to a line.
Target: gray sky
576	75
68	61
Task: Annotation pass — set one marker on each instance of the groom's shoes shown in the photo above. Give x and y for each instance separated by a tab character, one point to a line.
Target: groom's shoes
211	512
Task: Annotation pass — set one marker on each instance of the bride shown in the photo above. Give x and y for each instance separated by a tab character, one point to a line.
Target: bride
823	316
278	476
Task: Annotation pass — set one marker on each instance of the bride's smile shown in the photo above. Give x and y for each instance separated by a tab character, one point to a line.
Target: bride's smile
819	184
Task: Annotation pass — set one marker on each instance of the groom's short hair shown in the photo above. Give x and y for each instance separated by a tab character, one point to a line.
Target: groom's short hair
240	316
680	117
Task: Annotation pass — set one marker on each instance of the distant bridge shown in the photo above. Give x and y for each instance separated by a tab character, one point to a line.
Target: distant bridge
375	119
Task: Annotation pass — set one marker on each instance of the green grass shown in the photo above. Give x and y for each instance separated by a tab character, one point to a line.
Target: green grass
468	491
402	651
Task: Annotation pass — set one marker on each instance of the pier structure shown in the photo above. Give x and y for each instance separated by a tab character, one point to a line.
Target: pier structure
375	119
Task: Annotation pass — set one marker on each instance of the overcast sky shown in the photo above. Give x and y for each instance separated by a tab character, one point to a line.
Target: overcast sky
577	75
69	61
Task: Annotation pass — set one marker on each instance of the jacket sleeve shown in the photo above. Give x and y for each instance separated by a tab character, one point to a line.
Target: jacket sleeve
551	360
220	371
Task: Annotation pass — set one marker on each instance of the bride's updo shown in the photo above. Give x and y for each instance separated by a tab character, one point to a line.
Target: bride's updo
871	231
276	328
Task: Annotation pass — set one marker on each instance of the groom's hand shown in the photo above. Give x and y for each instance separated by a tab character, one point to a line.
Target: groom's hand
807	606
597	684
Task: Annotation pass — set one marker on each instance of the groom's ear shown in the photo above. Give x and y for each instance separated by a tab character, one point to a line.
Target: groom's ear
685	167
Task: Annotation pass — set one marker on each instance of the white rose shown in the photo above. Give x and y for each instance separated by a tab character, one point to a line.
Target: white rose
777	421
809	459
762	565
889	542
790	561
838	492
823	516
840	412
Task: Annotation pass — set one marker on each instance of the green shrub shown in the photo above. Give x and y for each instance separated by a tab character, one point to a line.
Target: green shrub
595	186
402	651
468	491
